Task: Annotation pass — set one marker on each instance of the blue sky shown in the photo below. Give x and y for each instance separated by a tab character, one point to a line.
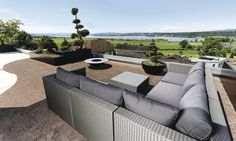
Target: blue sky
47	16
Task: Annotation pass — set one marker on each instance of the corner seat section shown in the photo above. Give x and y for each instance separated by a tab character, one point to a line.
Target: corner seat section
92	116
57	97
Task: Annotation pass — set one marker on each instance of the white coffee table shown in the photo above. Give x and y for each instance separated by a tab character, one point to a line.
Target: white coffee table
131	81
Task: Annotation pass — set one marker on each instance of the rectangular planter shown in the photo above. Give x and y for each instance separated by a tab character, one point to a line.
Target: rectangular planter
68	57
7	48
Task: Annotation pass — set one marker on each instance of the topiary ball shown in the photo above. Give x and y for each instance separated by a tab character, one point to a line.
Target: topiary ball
76	21
74	11
74	35
79	26
84	33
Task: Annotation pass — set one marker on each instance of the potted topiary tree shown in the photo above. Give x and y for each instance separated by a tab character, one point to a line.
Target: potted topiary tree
153	65
80	31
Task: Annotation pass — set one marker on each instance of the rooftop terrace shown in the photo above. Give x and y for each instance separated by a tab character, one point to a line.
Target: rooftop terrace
25	101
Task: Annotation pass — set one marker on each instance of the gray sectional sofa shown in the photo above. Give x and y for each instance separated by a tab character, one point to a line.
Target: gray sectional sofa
184	105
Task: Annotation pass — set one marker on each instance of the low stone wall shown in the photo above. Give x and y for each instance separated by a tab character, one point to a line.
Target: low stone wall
227	105
98	46
131	53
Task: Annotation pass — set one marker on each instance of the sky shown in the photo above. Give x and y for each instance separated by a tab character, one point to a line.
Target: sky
99	16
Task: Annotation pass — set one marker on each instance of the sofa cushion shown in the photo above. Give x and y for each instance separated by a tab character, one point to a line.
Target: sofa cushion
198	66
104	91
196	97
196	77
88	85
175	78
68	77
194	118
166	93
156	111
195	123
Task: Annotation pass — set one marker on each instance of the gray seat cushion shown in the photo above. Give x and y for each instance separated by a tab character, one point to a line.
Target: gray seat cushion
196	97
106	92
175	78
198	66
196	77
68	77
166	93
158	112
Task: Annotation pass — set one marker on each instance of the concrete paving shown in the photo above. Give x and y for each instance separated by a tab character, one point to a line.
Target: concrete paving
7	80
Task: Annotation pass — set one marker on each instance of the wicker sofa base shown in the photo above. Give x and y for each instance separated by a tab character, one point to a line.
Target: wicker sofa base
99	120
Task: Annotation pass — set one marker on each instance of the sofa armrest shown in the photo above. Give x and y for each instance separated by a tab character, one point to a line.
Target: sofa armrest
129	126
93	117
57	97
81	71
179	68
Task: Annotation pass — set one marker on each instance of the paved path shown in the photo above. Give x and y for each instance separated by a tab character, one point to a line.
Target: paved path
7	80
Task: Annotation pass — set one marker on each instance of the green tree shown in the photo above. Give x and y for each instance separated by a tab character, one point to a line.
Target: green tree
8	29
213	47
153	52
64	45
183	43
80	31
47	43
23	39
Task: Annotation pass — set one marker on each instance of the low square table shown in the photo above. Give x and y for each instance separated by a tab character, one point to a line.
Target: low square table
131	81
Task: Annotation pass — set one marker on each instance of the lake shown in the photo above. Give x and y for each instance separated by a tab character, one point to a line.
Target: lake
147	38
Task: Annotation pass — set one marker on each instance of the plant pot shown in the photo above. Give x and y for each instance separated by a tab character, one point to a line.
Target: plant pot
153	69
7	48
66	57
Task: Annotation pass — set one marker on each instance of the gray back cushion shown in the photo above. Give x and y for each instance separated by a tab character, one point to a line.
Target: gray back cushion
196	97
158	112
68	77
198	66
166	93
196	77
194	119
195	123
106	92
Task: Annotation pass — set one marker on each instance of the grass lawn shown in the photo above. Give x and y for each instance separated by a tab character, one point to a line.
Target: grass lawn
195	43
160	44
58	41
189	53
234	44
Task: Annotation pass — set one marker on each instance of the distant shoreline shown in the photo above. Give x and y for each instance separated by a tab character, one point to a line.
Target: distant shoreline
116	37
223	33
